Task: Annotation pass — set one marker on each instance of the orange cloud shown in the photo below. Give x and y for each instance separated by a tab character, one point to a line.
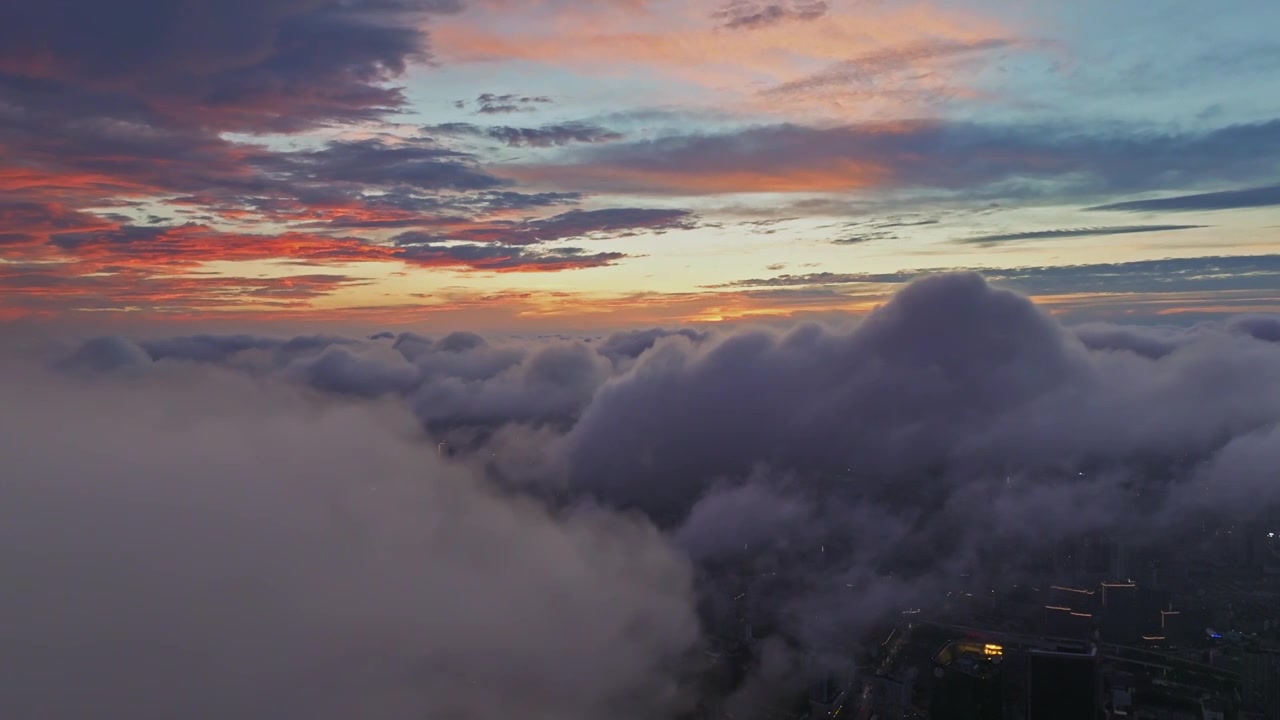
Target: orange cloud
73	261
54	288
895	38
83	186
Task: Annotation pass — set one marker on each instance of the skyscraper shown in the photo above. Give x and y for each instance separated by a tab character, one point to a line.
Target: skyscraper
1063	685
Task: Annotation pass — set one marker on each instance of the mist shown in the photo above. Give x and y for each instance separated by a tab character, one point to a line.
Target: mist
191	542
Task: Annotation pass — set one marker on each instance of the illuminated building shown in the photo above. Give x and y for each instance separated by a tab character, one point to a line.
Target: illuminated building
1063	622
970	683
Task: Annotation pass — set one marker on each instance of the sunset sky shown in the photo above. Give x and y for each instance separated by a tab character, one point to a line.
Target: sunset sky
565	165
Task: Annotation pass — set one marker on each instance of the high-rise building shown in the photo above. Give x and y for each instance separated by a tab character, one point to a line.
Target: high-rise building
1064	685
1260	681
1119	619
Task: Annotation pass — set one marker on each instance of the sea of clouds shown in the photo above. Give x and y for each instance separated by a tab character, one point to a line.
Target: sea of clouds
217	526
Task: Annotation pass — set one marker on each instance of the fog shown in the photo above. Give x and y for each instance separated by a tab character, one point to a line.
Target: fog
194	543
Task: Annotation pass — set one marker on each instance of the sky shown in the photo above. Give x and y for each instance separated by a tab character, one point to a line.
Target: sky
561	165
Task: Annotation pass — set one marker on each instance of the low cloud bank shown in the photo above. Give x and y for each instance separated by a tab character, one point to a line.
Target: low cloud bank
191	542
832	476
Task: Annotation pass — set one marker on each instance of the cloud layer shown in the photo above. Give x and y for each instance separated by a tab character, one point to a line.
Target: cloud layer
191	542
292	489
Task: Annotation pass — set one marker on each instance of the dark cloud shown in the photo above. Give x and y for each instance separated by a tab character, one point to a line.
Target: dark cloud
405	207
191	243
543	386
378	182
566	133
752	14
904	221
1224	200
977	337
220	348
460	342
578	223
124	236
611	222
1262	327
280	65
816	278
953	401
185	246
997	238
419	165
866	237
510	200
632	344
1152	343
499	258
134	108
970	160
886	228
502	104
46	218
340	370
1180	275
80	148
763	379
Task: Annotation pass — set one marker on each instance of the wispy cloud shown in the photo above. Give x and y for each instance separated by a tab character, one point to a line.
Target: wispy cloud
774	40
998	238
1264	196
502	258
969	159
871	68
555	135
495	104
611	222
752	14
1251	273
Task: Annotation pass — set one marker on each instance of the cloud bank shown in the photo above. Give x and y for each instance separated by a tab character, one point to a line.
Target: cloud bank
605	501
191	542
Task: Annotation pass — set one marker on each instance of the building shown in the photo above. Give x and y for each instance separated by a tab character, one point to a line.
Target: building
1064	684
969	683
891	695
1119	620
1260	681
1063	622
